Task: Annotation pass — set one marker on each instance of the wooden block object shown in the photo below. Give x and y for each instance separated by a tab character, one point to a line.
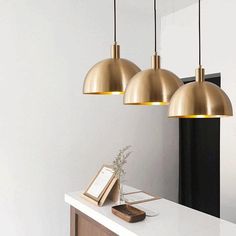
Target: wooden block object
112	192
128	213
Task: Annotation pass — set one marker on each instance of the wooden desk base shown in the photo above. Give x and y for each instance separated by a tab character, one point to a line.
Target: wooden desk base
82	225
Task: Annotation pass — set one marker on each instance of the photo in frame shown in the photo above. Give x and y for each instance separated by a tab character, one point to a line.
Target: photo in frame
101	186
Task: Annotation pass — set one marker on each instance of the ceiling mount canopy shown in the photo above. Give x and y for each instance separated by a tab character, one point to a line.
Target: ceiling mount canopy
110	76
154	86
200	99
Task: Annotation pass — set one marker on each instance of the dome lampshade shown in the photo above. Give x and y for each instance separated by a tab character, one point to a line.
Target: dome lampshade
110	76
154	86
200	99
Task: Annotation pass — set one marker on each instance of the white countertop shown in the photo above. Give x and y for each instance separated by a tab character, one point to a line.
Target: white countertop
172	219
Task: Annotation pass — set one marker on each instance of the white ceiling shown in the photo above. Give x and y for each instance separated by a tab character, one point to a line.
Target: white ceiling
168	6
165	7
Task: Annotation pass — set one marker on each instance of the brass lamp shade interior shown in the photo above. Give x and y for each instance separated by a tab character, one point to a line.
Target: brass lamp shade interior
200	99
152	87
110	76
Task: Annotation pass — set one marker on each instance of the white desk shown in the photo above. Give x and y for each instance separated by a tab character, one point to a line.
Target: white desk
172	219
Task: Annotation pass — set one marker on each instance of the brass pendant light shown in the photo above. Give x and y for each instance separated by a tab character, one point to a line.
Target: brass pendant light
154	86
200	99
112	75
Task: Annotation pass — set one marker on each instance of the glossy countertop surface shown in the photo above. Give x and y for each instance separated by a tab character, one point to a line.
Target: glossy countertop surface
172	219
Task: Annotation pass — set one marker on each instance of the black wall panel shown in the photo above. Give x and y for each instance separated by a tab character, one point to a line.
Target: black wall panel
199	169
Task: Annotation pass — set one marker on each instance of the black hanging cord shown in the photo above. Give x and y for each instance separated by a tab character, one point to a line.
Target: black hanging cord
199	34
114	21
155	25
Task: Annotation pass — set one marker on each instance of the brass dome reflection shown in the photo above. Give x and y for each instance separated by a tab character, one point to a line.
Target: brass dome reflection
110	76
200	99
152	87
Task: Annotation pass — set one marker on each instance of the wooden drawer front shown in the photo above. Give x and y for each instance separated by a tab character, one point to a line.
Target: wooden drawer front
82	225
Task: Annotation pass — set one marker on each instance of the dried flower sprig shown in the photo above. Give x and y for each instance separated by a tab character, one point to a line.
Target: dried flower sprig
120	161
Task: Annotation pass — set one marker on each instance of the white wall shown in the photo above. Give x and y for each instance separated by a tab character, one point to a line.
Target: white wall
53	139
179	50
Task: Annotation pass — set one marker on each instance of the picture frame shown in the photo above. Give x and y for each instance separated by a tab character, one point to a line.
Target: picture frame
141	196
100	183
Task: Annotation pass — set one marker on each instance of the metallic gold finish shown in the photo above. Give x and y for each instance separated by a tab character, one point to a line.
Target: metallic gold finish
110	76
200	74
152	87
200	99
115	51
156	62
